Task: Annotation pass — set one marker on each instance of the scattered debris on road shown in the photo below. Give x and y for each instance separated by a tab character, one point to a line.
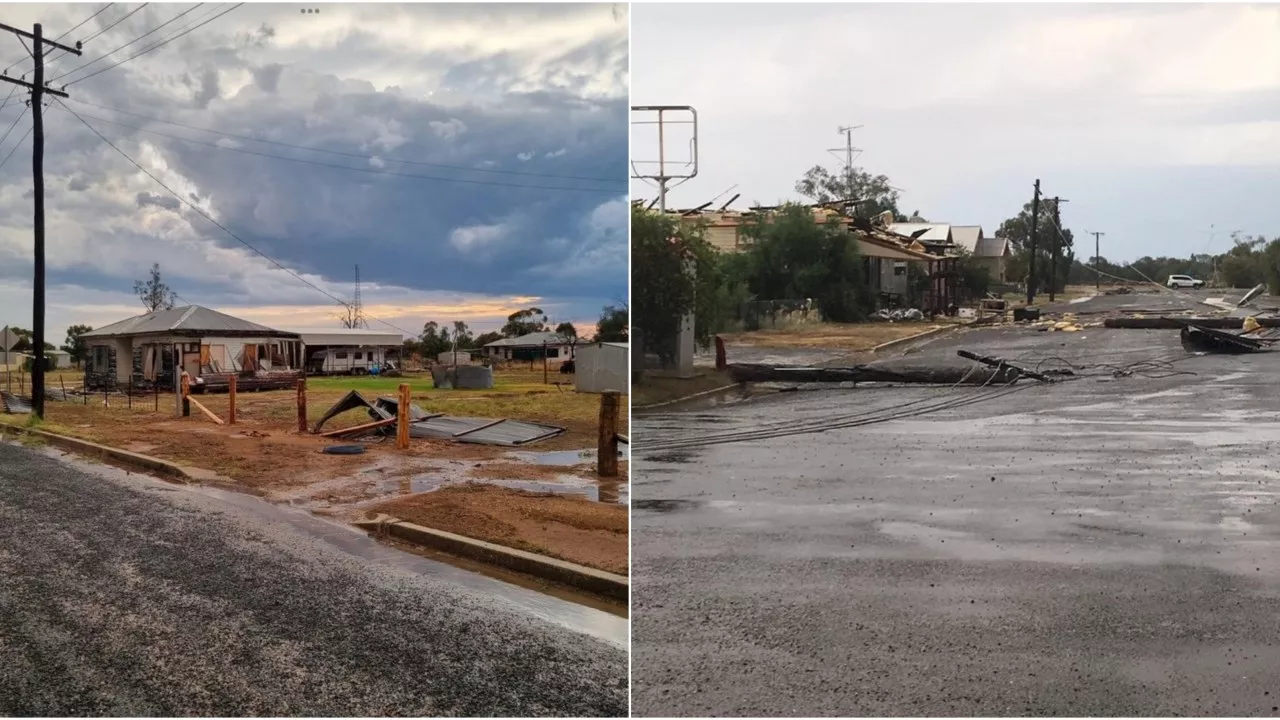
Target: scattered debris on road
485	431
1202	339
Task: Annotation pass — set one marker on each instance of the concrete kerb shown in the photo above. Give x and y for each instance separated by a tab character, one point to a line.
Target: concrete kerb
912	338
597	581
143	463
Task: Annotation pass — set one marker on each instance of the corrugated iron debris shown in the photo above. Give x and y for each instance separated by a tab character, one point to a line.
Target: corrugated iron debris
438	426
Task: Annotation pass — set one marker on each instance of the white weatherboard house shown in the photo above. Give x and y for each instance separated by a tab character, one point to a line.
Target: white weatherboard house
530	347
210	346
348	351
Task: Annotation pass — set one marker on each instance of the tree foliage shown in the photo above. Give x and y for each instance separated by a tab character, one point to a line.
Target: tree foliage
1017	230
434	340
463	338
75	345
613	324
154	293
822	185
790	255
486	338
672	266
523	322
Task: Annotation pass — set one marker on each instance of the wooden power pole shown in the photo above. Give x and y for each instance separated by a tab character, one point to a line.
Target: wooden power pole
1097	258
1055	239
1031	258
38	90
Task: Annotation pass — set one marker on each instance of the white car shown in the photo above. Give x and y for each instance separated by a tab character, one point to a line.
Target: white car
1184	281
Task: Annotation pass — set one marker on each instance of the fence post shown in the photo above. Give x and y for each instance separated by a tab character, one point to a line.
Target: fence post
186	390
607	442
302	405
231	395
130	400
156	387
402	417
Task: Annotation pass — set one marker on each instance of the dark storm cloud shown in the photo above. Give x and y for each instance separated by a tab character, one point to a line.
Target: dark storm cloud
254	74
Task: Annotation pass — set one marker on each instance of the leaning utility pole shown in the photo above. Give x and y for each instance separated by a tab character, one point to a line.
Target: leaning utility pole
1031	258
38	89
1056	238
1097	258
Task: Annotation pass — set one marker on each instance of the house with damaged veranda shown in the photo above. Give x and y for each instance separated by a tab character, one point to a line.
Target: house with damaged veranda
152	350
885	254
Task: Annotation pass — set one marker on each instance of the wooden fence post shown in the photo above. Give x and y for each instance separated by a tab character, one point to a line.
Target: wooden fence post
231	395
186	390
402	417
607	444
302	405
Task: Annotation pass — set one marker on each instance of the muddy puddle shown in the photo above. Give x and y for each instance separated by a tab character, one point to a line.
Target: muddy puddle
566	472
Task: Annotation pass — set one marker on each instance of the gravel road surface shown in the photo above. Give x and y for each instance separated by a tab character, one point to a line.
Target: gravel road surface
1107	546
122	595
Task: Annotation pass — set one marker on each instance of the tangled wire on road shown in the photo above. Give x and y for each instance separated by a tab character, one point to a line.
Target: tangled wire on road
1154	369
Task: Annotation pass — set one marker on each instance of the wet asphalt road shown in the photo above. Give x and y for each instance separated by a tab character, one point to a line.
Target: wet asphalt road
124	596
1099	547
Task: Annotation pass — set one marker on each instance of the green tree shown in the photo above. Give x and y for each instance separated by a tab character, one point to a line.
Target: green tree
791	256
566	329
612	325
1017	230
434	340
523	322
973	278
486	338
75	344
823	186
154	293
672	268
462	336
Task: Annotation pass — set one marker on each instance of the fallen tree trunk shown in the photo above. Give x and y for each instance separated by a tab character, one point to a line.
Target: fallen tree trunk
1174	323
926	374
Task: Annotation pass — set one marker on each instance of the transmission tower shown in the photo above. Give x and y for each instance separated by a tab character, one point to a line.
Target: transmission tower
357	306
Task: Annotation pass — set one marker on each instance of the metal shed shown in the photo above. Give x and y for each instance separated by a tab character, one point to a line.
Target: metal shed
602	367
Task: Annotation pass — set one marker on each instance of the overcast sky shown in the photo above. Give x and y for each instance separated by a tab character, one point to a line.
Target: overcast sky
1154	121
526	91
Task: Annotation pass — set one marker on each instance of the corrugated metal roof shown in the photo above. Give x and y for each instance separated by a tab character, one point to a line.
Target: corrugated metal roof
537	339
928	232
348	336
14	404
967	236
191	318
991	247
483	431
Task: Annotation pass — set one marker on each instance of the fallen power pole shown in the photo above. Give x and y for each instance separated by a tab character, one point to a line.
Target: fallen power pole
923	374
1173	323
38	89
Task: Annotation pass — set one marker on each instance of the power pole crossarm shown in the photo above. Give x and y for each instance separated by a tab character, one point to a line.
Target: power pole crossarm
38	90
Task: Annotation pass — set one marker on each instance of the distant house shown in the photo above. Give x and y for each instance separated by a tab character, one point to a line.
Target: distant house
149	350
533	346
990	252
348	351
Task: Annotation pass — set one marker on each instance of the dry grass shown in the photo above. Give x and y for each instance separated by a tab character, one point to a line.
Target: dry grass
565	527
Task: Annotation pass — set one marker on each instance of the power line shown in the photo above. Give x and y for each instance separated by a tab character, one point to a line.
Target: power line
77	27
345	154
158	45
113	52
371	171
112	25
15	124
220	226
15	147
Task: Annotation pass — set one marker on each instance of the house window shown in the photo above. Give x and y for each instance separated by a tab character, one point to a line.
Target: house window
899	268
553	352
340	355
358	356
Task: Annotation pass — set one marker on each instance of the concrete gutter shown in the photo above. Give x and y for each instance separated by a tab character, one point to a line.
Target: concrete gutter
913	338
686	398
143	463
579	576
